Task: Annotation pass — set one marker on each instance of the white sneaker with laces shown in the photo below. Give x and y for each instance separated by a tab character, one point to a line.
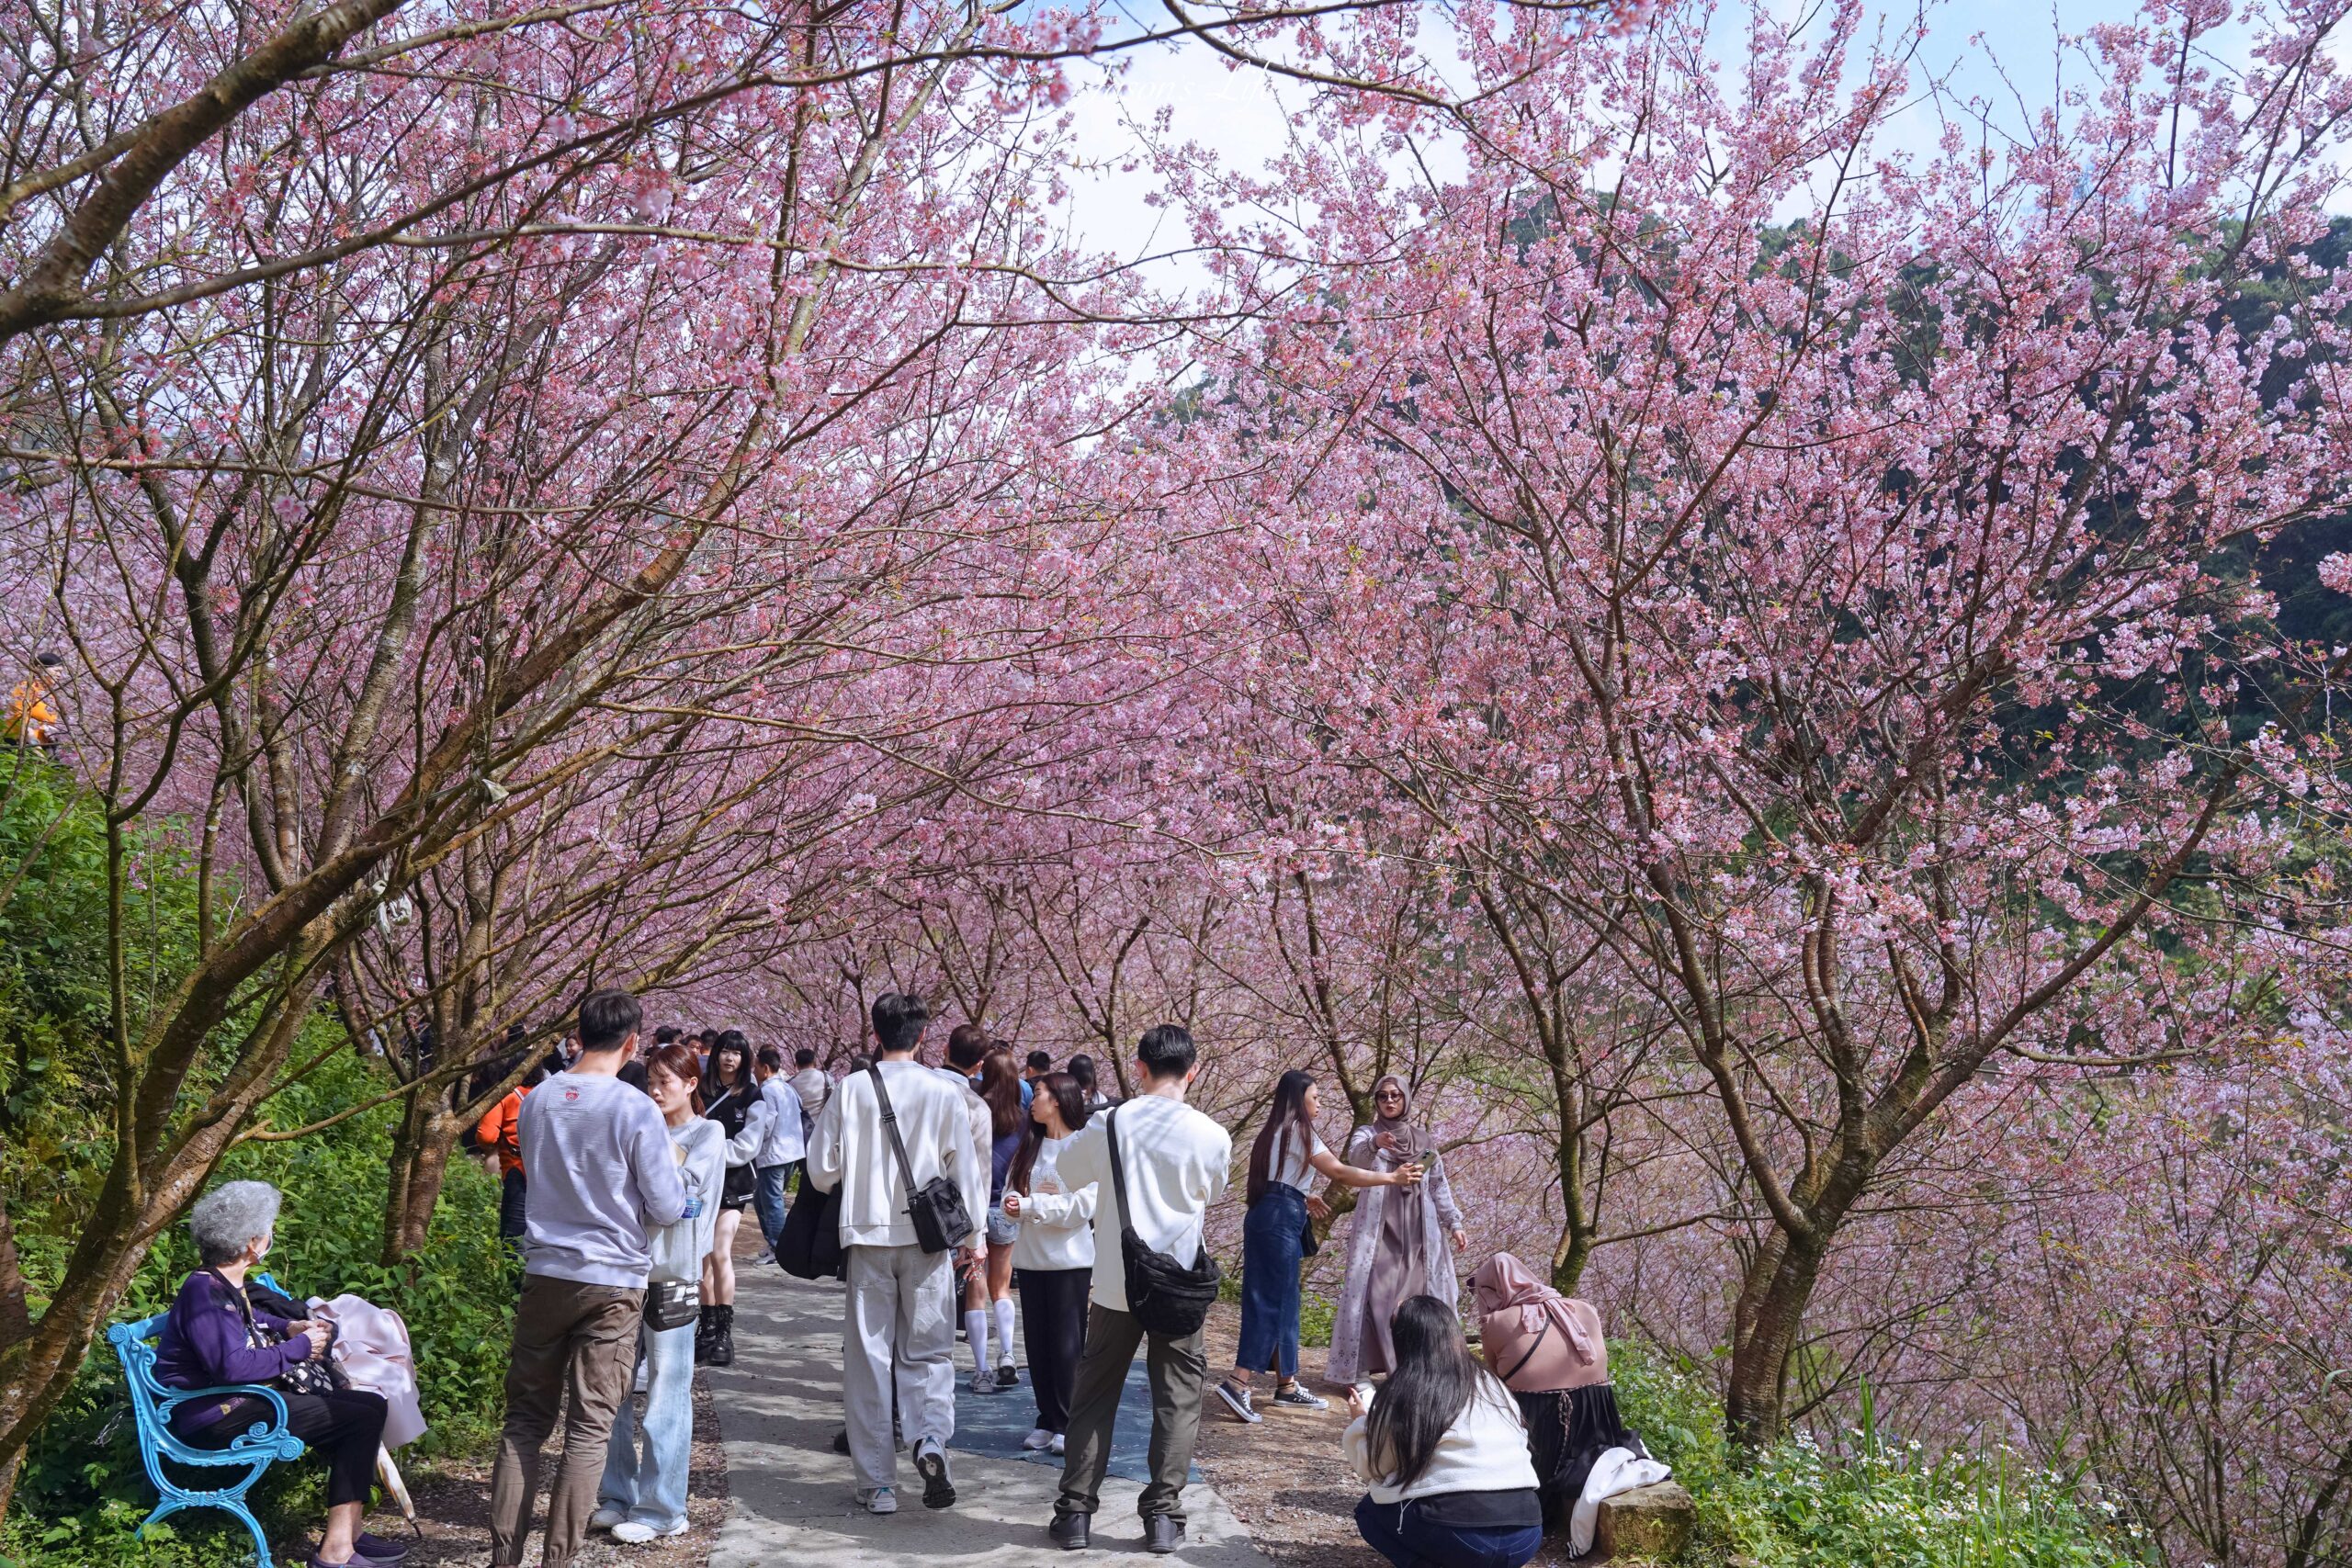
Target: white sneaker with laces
606	1518
1036	1440
635	1532
877	1499
1056	1446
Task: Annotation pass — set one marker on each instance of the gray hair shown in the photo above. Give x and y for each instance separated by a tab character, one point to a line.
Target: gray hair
230	1216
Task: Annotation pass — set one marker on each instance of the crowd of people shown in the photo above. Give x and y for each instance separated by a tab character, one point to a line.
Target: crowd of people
941	1195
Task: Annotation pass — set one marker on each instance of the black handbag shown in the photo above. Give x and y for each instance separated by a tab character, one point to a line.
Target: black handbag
319	1374
672	1304
937	1206
809	1246
1167	1298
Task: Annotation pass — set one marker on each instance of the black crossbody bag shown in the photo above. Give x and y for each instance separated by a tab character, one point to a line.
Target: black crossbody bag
1167	1298
937	1206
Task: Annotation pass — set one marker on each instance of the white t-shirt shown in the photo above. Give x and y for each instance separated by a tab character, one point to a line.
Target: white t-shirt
1293	1166
1176	1159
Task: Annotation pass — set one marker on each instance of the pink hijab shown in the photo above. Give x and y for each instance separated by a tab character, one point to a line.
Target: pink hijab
1503	1281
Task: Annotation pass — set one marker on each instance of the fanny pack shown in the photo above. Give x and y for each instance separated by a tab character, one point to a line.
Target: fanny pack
672	1304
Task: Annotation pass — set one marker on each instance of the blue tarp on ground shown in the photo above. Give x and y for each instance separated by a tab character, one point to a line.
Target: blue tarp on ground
994	1424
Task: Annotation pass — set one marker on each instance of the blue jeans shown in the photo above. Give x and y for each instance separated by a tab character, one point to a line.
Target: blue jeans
1270	1253
650	1485
1397	1532
767	1199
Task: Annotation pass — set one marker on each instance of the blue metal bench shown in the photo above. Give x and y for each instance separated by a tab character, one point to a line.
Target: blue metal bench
252	1451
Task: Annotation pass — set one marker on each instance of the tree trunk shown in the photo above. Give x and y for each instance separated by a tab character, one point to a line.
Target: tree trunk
1773	1301
421	1148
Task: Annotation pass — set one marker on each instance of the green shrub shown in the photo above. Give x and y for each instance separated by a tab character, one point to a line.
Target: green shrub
1877	1503
82	1490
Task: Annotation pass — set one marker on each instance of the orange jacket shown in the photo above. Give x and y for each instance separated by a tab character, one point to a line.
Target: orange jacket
500	1131
31	718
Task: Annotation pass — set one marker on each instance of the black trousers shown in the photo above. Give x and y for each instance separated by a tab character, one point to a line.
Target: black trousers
1053	1317
344	1428
511	1195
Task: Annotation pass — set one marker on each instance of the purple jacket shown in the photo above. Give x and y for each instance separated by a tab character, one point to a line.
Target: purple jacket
203	1343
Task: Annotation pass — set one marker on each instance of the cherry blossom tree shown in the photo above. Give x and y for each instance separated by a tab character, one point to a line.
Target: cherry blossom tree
1812	555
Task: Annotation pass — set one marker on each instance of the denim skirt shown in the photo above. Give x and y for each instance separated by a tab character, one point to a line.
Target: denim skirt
1272	1247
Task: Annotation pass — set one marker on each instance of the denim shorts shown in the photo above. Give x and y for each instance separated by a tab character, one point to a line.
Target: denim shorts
1002	1232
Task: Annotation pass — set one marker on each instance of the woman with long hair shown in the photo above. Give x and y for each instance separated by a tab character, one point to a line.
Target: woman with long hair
1052	1257
727	1093
1442	1452
988	1295
643	1494
1282	1162
1399	1244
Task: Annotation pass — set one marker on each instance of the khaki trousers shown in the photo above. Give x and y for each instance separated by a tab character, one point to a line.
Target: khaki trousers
572	1339
1178	1370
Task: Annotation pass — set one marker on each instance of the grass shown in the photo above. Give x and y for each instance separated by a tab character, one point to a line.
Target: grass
1876	1501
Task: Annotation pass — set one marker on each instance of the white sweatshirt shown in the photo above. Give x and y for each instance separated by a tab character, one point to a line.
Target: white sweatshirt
1057	1225
852	1152
680	1246
1483	1450
1177	1160
770	1134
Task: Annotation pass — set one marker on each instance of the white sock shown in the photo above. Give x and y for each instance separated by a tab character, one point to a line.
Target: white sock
975	1329
1005	1324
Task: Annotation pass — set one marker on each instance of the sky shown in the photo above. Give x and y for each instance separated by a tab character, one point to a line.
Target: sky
2003	51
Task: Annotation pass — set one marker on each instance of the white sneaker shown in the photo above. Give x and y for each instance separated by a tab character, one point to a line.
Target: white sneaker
983	1381
635	1532
606	1518
1056	1446
877	1499
1036	1440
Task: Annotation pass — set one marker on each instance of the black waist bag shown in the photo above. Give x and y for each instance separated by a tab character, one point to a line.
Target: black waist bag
1166	1297
937	1206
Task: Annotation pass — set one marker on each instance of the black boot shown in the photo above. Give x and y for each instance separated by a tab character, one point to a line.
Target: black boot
706	1330
722	1343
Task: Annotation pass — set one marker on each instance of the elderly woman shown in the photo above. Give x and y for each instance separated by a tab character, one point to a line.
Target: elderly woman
213	1337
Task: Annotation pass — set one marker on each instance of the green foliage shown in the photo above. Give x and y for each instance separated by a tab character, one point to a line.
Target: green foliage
83	1491
1878	1503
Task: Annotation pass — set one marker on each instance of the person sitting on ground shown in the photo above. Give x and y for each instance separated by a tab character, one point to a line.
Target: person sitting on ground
643	1494
213	1335
1282	1163
897	1312
602	1176
1442	1448
1175	1162
773	1139
1549	1351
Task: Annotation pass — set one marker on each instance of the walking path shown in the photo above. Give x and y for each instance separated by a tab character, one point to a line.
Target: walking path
789	1503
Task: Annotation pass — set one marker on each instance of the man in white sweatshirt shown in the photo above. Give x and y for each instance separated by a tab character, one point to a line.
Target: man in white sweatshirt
1176	1161
899	1318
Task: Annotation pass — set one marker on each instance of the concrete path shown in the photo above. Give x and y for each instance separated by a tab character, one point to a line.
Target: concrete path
789	1502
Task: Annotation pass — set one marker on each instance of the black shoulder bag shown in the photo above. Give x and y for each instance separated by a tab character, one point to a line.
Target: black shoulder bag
318	1374
937	1206
1167	1298
811	1245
